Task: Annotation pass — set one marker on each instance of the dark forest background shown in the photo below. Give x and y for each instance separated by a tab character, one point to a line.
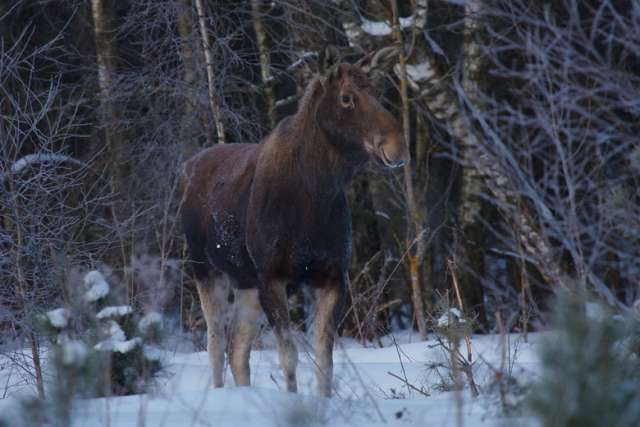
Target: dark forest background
523	118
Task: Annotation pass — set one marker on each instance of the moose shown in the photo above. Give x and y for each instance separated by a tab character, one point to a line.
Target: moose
260	216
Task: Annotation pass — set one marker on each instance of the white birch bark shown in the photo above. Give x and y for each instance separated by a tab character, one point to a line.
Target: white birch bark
442	100
472	67
214	99
265	61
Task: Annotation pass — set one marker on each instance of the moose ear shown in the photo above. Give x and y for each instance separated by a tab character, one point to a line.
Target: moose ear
329	59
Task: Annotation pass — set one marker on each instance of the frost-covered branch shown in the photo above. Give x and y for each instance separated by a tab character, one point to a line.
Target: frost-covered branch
33	159
565	140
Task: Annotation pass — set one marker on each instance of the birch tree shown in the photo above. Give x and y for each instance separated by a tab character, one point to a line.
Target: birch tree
114	141
440	95
265	61
185	27
470	262
214	97
558	148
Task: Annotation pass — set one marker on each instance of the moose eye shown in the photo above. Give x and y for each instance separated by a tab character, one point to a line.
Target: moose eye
347	101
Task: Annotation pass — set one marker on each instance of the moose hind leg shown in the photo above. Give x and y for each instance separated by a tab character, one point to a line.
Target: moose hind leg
273	298
245	327
329	302
214	294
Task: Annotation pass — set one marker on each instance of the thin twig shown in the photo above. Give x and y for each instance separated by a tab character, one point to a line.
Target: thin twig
409	385
467	339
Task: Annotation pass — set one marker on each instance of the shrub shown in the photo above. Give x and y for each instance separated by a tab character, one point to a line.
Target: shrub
97	350
591	370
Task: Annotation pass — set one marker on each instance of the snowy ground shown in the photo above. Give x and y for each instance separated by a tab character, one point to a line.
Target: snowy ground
367	394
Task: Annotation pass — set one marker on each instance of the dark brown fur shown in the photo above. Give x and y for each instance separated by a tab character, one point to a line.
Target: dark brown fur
274	213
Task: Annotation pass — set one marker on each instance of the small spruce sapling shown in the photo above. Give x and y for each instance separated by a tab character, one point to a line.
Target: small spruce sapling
102	349
591	369
96	350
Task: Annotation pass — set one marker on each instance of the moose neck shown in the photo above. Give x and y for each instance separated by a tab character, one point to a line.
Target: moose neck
321	163
300	153
321	156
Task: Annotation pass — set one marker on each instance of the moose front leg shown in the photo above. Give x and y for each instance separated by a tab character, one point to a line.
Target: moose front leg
329	303
273	298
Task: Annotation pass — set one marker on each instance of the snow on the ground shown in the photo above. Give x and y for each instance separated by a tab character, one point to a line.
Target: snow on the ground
364	390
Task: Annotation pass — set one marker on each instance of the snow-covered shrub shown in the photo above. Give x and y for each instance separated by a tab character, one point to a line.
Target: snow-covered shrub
58	318
97	286
97	350
591	370
106	343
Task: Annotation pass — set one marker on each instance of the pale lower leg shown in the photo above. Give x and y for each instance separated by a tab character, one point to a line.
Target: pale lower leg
214	301
326	318
288	355
274	303
247	312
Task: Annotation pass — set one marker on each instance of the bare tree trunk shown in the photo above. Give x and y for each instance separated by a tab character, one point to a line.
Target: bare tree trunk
114	141
415	227
443	102
424	250
214	99
471	259
185	26
472	67
265	61
105	56
192	117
